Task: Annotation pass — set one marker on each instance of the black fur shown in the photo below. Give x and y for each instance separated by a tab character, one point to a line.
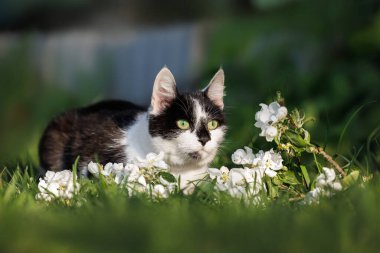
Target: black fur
92	133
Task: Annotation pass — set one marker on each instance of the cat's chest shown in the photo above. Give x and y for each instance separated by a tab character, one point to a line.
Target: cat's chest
136	139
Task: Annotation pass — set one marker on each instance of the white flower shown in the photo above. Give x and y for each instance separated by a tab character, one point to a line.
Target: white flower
170	186
47	191
152	160
237	192
159	191
57	185
248	175
268	162
95	169
137	185
263	116
132	173
268	117
271	114
241	156
141	180
277	111
244	183
238	156
119	171
237	177
336	186
326	184
257	185
282	113
222	177
237	184
330	174
270	132
313	196
233	181
328	179
117	168
107	170
61	176
130	168
249	179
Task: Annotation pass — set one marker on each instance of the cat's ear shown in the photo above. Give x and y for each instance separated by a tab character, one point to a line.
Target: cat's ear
164	91
215	89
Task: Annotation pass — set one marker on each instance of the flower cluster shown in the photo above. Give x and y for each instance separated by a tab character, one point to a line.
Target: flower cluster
146	176
268	118
326	184
238	182
57	185
268	162
247	181
149	175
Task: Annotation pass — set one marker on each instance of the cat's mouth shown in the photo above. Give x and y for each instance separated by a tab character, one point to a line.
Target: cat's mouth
198	155
195	155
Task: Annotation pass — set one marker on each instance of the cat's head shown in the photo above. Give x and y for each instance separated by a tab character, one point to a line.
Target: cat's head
188	127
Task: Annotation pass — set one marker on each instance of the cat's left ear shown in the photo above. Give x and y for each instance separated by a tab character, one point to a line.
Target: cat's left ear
215	89
164	91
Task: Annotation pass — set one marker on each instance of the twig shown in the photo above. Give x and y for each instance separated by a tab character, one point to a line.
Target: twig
302	196
320	151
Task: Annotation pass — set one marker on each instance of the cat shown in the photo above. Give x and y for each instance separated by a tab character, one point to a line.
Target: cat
189	128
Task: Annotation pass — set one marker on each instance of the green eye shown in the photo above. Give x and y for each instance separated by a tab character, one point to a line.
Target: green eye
183	124
213	124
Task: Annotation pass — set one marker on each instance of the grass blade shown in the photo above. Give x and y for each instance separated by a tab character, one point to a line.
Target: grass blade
349	122
305	175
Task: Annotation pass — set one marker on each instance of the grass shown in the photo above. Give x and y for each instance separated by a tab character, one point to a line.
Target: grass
107	221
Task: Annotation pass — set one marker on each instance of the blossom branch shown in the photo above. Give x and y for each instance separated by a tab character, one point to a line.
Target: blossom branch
320	151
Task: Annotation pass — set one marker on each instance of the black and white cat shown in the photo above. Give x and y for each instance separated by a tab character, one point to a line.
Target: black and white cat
188	128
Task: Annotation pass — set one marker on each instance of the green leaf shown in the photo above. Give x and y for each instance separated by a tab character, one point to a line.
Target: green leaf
305	175
306	136
296	139
168	177
350	179
272	189
289	177
276	181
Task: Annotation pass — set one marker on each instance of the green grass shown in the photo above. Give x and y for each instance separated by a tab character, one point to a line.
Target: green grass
108	221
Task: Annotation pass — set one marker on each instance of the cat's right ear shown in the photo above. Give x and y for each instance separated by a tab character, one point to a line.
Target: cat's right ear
215	89
164	91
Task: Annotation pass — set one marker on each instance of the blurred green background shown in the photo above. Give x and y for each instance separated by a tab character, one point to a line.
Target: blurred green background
324	56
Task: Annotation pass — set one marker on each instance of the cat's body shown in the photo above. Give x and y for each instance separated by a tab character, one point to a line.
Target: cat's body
180	125
95	133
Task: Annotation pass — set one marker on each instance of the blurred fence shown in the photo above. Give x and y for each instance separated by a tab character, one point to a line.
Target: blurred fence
124	61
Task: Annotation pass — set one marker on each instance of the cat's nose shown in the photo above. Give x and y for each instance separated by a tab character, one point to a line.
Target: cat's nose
204	139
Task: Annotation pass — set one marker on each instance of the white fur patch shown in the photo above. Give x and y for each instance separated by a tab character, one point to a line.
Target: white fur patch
199	113
138	139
